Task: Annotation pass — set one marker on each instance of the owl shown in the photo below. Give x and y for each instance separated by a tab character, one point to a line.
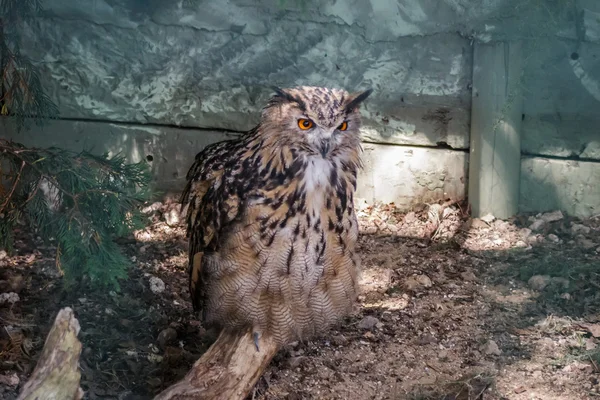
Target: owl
270	220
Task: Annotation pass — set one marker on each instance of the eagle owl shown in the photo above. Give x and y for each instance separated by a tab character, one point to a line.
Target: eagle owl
271	222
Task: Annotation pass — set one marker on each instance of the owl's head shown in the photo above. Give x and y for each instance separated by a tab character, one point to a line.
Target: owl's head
315	120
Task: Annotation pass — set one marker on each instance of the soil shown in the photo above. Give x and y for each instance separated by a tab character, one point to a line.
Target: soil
451	308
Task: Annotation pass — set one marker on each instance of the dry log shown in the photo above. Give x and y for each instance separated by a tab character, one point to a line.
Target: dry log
56	375
227	371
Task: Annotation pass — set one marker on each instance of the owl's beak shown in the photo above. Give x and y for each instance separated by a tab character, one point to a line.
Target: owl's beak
324	147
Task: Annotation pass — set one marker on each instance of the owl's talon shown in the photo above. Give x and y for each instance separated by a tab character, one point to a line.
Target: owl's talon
255	335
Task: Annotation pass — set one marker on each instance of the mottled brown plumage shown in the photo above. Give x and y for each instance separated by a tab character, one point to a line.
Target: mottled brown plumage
271	221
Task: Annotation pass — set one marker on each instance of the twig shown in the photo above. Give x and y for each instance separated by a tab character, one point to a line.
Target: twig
14	186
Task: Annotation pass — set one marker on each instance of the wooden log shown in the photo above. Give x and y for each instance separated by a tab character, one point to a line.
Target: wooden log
227	371
56	375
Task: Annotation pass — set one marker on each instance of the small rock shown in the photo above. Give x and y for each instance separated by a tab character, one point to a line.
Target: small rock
525	233
9	379
143	249
539	282
563	283
339	340
369	335
10	297
489	218
386	315
468	276
166	336
172	217
586	243
552	216
3	254
565	296
580	228
157	285
590	344
368	322
295	362
533	239
376	279
371	230
491	348
598	250
537	225
152	208
521	244
410	217
477	223
553	238
14	283
448	211
416	282
424	281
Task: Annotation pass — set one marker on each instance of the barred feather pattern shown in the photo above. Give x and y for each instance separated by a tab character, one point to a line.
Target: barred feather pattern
271	222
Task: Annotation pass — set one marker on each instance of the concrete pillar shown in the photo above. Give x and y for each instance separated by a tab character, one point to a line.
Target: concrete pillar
496	115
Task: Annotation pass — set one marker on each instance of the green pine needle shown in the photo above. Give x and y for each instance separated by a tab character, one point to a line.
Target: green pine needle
81	200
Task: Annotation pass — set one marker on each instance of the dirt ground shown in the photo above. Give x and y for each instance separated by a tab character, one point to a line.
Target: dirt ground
452	308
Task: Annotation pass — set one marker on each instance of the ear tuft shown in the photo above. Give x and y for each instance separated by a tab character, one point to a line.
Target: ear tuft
357	99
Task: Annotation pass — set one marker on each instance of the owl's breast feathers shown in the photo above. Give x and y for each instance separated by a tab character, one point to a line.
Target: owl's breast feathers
272	236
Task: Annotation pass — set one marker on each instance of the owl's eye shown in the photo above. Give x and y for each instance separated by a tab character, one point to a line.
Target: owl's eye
305	124
343	126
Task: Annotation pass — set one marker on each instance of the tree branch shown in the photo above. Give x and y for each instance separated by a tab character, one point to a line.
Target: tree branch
56	375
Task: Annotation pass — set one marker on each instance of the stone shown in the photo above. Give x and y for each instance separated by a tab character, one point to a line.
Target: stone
537	225
9	379
156	285
410	218
166	336
553	216
560	282
491	348
295	362
468	276
525	233
553	238
417	282
172	217
539	282
3	254
488	218
586	243
339	340
376	280
10	297
580	228
368	322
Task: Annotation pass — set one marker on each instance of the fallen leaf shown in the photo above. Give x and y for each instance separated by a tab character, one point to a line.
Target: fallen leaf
520	389
594	329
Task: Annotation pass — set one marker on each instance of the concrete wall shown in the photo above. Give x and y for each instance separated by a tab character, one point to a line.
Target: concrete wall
167	78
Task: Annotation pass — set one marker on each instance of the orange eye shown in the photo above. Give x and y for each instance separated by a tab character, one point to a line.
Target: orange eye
343	126
305	124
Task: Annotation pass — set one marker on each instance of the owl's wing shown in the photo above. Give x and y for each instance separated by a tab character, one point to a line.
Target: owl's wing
211	207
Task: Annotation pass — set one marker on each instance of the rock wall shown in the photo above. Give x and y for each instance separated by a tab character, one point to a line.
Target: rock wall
160	80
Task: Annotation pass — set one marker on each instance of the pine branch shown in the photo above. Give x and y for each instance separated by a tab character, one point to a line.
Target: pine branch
82	200
21	92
